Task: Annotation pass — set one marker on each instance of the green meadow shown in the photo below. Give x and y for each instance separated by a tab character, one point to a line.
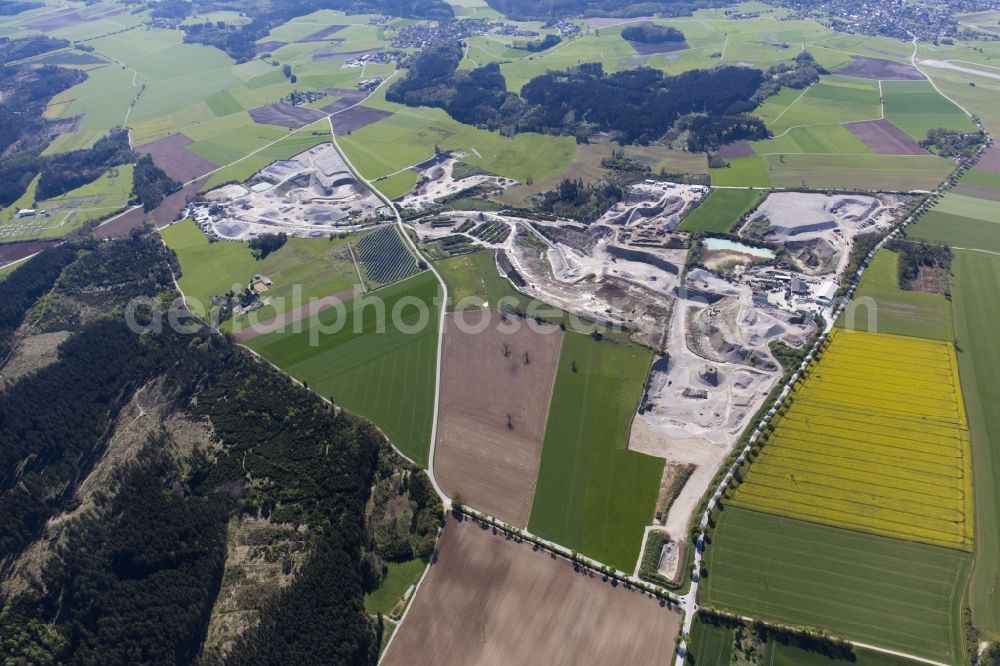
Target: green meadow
721	210
594	495
902	312
915	107
895	594
372	362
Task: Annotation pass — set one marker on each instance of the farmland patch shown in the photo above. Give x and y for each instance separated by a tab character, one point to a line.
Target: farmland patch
285	115
495	393
874	439
171	155
739	148
354	118
593	494
916	107
490	600
721	210
895	594
884	138
880	68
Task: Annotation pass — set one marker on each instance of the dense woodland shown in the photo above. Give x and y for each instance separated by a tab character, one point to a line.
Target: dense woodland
25	91
67	171
952	143
634	106
651	33
529	10
150	184
136	573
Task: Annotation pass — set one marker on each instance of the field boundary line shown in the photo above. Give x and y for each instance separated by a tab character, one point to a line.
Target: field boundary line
785	110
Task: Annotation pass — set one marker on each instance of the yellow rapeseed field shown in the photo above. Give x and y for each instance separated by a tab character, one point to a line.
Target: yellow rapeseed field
874	439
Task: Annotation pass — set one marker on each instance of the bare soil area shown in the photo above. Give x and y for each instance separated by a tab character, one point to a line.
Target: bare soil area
11	252
493	411
348	98
63	18
323	34
170	154
879	68
487	600
121	225
354	118
739	148
285	115
990	160
884	138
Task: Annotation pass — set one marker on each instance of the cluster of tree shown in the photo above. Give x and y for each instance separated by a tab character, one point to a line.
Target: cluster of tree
529	10
802	72
544	44
172	9
26	285
67	171
807	639
151	184
636	105
953	143
651	33
138	574
239	41
25	91
706	132
578	200
915	256
265	244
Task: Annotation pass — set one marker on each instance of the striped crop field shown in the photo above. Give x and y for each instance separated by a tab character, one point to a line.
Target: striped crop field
385	257
875	439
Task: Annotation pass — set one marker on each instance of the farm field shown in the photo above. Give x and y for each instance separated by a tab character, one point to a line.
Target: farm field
976	283
408	137
385	375
474	278
892	173
875	439
981	184
898	311
721	210
513	601
822	139
593	494
496	386
957	231
395	584
711	644
742	172
915	107
385	258
895	594
832	101
316	267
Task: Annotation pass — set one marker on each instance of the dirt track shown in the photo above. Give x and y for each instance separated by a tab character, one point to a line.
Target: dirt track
884	138
494	467
488	600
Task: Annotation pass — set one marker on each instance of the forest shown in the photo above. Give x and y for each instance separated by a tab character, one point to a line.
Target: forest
150	184
651	33
67	171
634	106
25	91
136	572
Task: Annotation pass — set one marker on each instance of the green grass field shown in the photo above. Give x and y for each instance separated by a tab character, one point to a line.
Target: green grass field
474	278
721	210
822	139
592	494
976	285
310	267
395	584
875	590
710	644
742	172
892	173
957	230
832	101
898	311
385	375
915	107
